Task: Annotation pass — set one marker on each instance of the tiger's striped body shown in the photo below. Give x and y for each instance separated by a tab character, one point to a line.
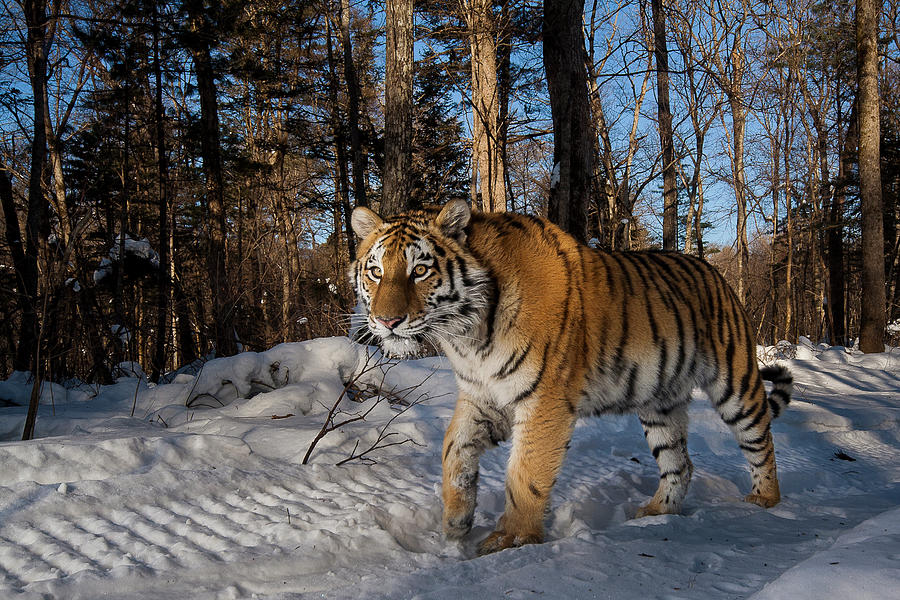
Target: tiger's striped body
540	330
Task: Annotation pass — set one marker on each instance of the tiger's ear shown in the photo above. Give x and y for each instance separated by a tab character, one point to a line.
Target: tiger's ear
364	221
453	218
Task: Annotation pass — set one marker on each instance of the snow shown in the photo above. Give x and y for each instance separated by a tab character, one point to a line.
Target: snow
104	270
861	563
138	248
893	327
555	175
121	332
196	489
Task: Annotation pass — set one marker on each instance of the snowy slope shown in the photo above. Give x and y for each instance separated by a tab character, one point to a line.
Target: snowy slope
202	494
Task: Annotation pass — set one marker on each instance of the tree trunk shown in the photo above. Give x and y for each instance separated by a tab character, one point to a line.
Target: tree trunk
36	219
832	241
504	91
162	170
564	63
28	354
696	97
739	125
789	313
58	187
210	148
398	106
835	236
670	194
872	316
353	96
22	359
698	221
601	148
486	125
342	182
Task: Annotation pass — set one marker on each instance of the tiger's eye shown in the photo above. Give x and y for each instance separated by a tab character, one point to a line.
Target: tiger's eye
376	272
420	270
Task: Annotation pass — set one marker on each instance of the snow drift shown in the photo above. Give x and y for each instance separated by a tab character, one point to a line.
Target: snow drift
197	488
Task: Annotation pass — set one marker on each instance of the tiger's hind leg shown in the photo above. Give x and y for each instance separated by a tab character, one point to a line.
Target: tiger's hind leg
666	433
749	418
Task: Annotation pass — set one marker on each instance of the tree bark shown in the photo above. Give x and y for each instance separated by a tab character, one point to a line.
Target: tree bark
664	113
504	91
398	106
739	129
872	316
832	242
835	235
789	313
162	171
564	63
486	123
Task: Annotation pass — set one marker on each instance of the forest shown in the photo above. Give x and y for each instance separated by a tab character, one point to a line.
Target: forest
177	176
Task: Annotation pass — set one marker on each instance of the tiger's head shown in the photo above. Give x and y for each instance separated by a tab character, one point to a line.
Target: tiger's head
416	278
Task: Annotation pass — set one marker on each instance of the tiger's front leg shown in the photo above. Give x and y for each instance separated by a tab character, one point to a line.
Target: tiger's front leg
539	447
472	430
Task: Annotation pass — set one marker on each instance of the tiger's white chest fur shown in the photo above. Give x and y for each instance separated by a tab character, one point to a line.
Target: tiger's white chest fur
488	376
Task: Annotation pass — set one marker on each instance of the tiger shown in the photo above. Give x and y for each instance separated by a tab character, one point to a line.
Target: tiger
541	330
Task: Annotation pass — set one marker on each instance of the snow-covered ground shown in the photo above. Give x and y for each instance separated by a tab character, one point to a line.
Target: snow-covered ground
196	489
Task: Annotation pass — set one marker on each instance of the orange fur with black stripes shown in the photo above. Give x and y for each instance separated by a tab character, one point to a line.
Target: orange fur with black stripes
540	330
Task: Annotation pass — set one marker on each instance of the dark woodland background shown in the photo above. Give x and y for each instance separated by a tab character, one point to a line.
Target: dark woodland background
235	138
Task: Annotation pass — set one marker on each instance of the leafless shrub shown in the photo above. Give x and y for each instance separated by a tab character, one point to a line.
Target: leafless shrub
357	390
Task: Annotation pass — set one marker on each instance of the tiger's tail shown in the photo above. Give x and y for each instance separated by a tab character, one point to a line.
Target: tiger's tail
783	383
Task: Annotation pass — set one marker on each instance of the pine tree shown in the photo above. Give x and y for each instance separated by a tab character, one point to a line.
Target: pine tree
440	165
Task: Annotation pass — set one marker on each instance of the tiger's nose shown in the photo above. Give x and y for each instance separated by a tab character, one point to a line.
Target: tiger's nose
390	322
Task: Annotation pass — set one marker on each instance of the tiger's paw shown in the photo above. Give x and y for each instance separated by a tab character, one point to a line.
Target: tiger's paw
501	540
457	526
647	511
653	508
764	501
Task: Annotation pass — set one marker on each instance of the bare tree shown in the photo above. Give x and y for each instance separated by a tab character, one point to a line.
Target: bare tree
702	101
620	181
723	45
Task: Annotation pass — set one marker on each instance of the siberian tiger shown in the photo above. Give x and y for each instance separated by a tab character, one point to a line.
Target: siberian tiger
541	330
